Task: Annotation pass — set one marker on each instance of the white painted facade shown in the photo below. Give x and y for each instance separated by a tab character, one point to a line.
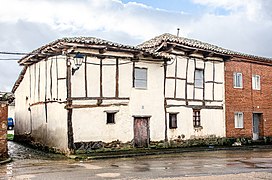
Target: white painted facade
47	99
209	99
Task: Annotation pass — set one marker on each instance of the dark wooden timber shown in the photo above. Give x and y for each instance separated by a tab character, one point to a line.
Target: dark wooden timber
45	88
57	75
177	78
29	69
85	77
186	81
117	78
196	106
35	82
70	133
39	82
133	74
96	98
51	79
79	106
203	91
213	80
101	78
165	102
176	69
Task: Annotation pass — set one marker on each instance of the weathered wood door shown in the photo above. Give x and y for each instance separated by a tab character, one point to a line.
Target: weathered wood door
141	132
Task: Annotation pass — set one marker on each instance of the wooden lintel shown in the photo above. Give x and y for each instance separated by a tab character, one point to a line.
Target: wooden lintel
75	106
101	98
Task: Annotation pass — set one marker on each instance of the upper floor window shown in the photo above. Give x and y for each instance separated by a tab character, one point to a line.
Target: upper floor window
199	74
237	80
196	118
140	78
173	120
256	82
239	120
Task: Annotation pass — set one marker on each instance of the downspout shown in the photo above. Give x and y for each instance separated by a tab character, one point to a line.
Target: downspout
70	133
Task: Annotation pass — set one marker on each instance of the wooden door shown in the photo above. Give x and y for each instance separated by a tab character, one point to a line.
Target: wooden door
141	132
256	123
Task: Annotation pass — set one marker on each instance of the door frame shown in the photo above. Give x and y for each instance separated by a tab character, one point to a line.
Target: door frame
259	114
148	128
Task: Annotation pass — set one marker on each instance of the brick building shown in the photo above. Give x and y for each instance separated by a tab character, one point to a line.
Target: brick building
3	129
248	97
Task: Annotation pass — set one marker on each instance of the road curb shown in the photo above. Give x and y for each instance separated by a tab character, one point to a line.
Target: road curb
109	155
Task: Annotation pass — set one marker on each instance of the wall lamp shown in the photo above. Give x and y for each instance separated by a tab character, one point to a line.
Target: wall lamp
78	59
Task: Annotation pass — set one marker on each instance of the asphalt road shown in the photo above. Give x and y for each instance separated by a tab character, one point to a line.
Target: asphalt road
32	164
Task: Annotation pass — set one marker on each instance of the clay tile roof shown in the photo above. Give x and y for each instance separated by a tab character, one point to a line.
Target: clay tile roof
89	41
152	44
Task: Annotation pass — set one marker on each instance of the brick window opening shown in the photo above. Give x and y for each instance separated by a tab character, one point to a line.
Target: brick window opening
111	117
172	120
196	118
140	78
199	76
239	120
237	80
256	82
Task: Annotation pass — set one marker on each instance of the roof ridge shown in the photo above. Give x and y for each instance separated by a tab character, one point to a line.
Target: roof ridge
151	45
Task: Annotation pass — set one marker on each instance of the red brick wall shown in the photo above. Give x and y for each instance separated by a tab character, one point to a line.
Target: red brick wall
247	100
3	130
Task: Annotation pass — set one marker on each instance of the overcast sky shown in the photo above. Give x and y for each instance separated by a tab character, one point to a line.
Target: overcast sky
240	25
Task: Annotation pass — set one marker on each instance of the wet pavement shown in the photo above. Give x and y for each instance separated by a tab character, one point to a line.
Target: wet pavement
33	164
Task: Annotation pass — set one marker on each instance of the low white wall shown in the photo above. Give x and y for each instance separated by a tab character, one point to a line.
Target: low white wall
211	121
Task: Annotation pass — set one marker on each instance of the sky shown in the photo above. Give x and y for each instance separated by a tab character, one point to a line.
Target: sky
240	25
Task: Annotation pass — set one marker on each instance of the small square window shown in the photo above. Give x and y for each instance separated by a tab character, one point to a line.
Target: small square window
256	82
110	118
239	120
237	80
172	120
196	118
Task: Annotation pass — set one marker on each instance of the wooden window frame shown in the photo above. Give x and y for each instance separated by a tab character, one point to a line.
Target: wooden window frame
110	116
196	118
171	119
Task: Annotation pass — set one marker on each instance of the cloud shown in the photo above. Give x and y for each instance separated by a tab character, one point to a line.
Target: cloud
241	25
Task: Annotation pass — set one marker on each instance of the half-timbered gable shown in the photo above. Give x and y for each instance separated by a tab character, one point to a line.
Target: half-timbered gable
194	88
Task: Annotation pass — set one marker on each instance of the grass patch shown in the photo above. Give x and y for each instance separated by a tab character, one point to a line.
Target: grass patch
10	137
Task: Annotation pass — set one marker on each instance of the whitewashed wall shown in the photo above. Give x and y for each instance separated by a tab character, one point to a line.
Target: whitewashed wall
212	114
90	123
43	81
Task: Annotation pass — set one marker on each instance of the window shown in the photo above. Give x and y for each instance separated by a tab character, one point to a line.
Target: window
237	80
172	120
256	82
111	117
140	78
199	74
196	118
239	120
